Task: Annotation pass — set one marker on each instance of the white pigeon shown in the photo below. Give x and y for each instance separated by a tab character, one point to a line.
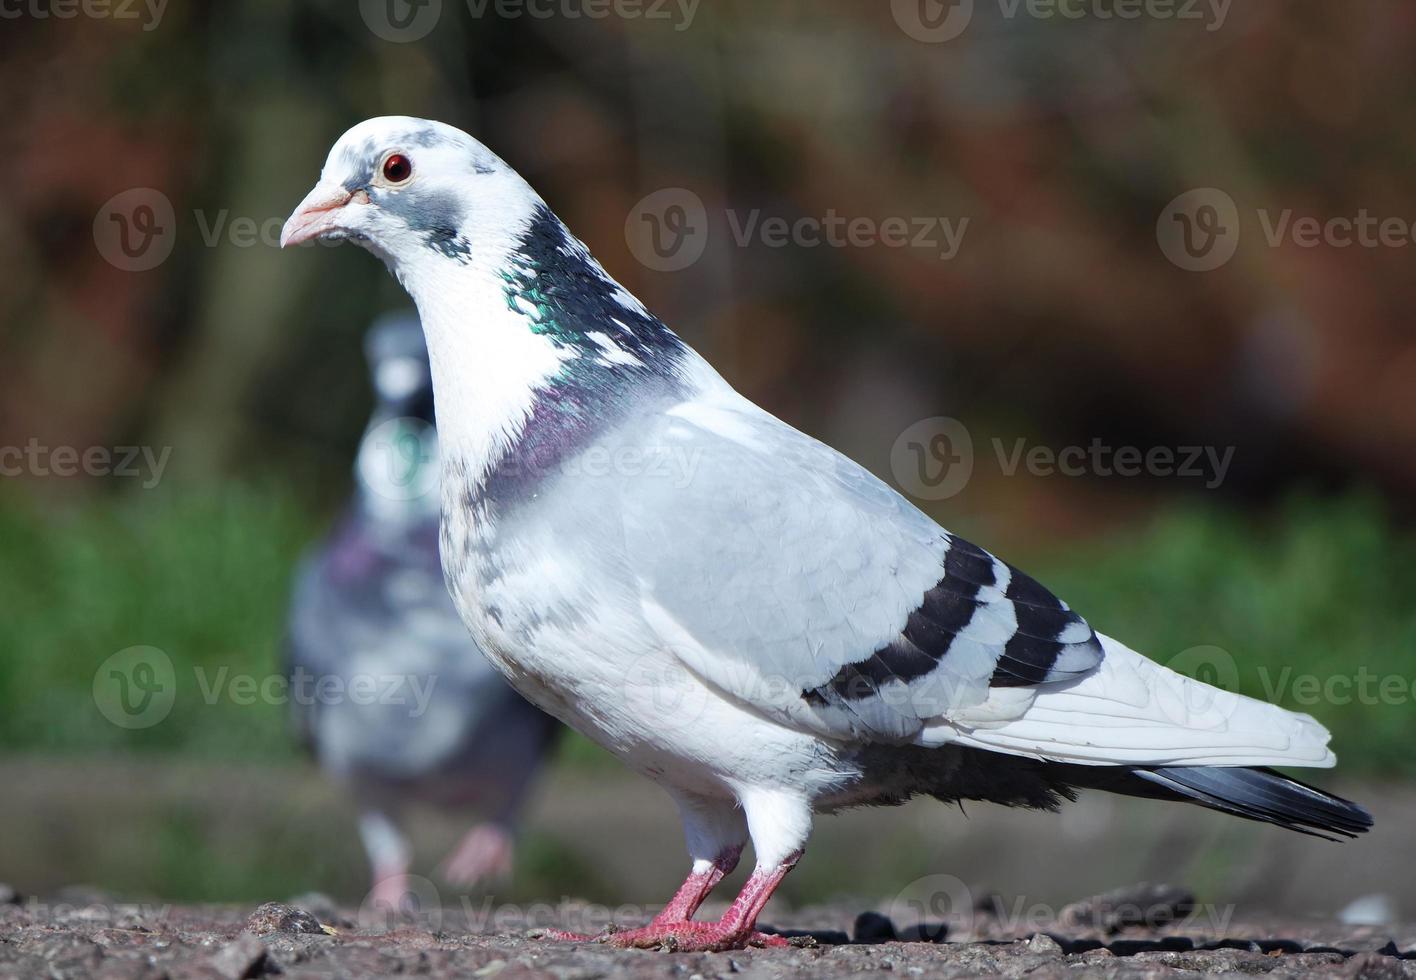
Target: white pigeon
731	607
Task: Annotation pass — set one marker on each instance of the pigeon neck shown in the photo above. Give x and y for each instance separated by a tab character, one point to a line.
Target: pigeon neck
533	355
552	280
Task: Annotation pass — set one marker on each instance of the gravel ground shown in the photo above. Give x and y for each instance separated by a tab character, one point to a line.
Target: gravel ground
78	935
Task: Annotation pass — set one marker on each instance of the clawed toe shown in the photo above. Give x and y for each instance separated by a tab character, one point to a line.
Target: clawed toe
768	939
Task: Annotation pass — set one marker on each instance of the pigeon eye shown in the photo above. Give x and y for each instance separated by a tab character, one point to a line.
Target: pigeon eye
397	168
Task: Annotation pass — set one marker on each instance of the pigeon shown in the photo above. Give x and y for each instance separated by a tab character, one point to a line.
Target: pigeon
389	689
729	606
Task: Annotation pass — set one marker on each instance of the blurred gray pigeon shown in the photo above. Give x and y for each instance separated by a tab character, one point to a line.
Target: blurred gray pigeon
389	690
732	608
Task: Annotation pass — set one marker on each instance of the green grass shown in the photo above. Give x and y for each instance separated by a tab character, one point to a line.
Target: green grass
1321	587
200	575
1302	606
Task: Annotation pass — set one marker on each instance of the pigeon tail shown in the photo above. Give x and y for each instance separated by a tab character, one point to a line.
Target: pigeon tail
1264	795
1134	712
1254	794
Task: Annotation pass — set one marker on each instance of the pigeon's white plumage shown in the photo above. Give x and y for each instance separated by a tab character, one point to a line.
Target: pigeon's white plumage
734	609
1133	710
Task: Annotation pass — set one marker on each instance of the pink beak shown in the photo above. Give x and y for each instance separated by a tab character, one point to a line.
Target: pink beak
316	214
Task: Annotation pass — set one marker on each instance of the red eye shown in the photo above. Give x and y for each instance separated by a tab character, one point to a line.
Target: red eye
397	168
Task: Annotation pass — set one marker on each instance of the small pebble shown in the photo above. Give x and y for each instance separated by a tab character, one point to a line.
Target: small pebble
318	904
1134	905
274	917
925	932
1043	943
872	927
244	957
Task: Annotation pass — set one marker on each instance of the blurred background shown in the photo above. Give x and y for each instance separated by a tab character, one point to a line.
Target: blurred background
1121	291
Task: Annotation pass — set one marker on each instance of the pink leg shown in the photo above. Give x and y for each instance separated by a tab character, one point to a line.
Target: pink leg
685	901
485	852
733	931
390	891
696	888
390	857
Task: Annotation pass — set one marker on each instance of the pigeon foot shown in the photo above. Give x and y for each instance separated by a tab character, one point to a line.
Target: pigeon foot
485	853
692	937
391	891
733	931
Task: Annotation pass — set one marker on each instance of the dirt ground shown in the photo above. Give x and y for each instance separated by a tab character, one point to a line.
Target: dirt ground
80	935
195	831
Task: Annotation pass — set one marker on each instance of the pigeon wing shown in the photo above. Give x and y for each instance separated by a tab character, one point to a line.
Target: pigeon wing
790	577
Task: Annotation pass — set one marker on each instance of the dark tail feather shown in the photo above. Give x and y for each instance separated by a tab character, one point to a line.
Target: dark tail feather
1262	794
1254	794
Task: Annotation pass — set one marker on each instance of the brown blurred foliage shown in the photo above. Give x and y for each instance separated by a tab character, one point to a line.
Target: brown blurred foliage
1060	139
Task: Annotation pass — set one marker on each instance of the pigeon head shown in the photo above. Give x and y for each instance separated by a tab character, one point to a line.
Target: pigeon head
533	347
412	191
